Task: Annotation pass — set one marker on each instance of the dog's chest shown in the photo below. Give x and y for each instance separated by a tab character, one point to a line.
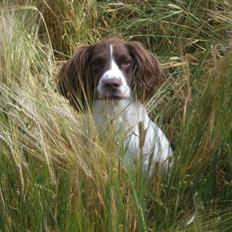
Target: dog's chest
123	115
141	136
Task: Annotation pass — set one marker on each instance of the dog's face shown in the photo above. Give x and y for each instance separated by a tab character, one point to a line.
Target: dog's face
110	69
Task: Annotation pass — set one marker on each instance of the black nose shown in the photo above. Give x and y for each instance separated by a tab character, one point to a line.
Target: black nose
112	83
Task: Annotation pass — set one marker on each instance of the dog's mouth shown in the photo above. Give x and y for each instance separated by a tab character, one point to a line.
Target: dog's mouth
111	95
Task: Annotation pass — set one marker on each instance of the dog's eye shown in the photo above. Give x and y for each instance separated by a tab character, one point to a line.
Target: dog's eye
97	63
126	63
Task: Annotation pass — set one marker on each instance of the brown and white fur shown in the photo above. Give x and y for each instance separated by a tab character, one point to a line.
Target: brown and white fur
114	78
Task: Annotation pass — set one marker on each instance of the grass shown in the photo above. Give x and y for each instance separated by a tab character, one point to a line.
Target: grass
58	174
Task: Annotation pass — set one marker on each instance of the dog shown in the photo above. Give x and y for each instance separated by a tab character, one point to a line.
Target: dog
113	79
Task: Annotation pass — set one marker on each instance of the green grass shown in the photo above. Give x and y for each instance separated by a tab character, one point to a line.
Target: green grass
58	174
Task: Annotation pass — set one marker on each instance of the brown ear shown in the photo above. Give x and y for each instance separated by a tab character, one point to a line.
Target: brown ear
73	81
148	73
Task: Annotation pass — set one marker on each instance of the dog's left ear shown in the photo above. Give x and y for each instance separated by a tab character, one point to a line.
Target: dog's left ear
148	73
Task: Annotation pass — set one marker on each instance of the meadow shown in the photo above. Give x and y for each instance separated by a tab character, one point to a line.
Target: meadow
58	174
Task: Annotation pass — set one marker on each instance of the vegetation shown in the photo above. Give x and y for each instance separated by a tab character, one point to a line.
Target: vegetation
57	174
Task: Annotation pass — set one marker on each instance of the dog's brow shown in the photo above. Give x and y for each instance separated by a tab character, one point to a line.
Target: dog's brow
99	58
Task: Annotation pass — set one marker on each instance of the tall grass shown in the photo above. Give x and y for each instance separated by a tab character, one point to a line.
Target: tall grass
58	174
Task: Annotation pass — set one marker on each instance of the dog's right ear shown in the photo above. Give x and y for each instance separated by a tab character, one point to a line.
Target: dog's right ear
73	78
148	73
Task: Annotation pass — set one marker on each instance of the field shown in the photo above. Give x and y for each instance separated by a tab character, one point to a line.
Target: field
58	174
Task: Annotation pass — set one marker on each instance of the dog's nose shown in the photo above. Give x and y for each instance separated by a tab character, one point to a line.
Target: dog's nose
112	83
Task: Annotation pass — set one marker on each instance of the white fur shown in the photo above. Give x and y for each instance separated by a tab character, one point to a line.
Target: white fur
126	115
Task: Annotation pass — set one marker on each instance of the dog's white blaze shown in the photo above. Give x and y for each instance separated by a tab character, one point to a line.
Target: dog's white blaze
112	73
111	51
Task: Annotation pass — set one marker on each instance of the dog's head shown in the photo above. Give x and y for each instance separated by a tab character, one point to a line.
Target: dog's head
109	69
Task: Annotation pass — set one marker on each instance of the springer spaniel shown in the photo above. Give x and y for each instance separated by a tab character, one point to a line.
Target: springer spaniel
114	78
